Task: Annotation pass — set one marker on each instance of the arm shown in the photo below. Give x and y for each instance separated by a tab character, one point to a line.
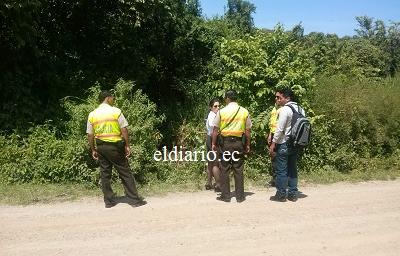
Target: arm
215	124
280	129
125	136
92	147
269	138
214	138
247	145
272	149
249	124
90	133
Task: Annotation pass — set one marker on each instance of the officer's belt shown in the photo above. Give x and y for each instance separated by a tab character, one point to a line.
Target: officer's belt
102	142
231	138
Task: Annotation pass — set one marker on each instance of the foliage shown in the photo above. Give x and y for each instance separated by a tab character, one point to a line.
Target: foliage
43	158
239	14
52	49
357	58
256	66
141	114
360	120
179	60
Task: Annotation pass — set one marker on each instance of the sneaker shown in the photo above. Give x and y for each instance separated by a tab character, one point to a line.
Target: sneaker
223	199
292	198
277	198
240	199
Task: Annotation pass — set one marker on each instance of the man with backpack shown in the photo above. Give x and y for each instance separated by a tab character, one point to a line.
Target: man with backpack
284	147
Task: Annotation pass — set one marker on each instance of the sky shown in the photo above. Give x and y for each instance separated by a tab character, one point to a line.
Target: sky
327	16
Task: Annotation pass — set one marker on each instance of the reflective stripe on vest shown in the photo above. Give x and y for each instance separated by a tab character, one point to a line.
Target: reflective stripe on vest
273	120
238	125
104	120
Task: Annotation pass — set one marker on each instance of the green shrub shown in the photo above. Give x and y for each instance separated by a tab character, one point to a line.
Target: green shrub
356	120
46	156
141	115
43	158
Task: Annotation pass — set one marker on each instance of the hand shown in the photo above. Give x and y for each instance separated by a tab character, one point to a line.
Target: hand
272	152
214	147
247	149
127	151
95	155
269	139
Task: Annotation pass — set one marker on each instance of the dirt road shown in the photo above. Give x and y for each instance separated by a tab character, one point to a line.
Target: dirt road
339	219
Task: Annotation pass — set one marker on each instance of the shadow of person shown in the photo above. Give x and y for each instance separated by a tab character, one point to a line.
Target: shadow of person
301	195
246	194
126	200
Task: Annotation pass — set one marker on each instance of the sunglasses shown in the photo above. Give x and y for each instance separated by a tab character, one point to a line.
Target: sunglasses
216	106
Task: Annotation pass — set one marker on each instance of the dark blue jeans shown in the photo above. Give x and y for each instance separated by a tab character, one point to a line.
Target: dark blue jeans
286	170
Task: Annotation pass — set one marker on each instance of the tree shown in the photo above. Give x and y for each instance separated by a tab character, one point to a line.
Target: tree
386	38
239	13
255	66
366	29
52	48
194	7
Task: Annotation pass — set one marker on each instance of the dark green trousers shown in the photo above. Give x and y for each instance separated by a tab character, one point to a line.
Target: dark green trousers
231	144
113	154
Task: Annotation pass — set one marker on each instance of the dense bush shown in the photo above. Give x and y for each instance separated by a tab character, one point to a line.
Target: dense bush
180	60
141	115
356	119
41	157
255	66
45	155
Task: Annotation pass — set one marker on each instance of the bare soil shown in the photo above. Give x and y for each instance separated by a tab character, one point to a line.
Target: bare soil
338	219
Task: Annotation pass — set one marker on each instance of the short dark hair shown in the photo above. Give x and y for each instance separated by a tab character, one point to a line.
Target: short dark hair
213	101
104	94
287	93
231	94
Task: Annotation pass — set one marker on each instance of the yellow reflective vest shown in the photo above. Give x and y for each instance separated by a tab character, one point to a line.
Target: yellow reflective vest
273	120
237	126
104	120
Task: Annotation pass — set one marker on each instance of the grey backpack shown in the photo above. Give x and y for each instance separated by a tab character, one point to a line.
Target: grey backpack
300	133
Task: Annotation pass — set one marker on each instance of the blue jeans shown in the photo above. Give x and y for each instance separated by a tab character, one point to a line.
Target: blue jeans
286	170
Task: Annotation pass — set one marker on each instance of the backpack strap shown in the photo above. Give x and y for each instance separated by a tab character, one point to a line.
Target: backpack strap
294	110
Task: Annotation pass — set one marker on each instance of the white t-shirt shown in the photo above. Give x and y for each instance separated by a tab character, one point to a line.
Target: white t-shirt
284	126
209	122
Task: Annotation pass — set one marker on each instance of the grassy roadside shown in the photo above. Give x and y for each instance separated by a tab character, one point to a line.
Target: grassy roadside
24	194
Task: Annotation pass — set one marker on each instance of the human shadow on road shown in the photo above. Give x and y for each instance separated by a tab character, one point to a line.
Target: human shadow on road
124	200
301	195
246	194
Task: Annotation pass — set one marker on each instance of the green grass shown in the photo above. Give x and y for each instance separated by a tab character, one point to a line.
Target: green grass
24	194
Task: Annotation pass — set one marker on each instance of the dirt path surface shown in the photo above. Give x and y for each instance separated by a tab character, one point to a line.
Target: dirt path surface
339	219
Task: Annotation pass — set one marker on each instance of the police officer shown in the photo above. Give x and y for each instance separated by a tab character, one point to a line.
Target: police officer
108	139
232	122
